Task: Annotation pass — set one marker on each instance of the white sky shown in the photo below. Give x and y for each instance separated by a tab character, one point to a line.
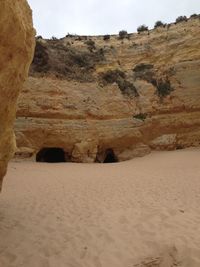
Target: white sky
94	17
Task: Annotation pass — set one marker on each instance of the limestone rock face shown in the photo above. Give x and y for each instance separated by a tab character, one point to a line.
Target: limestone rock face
123	97
16	51
84	151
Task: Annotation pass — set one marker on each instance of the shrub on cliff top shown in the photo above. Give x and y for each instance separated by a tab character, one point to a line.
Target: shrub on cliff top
106	37
123	34
39	37
181	18
53	38
159	24
142	28
194	16
69	35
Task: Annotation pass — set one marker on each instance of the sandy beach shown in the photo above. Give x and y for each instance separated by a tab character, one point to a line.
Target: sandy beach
140	213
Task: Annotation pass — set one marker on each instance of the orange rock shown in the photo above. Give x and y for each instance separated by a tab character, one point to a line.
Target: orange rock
139	94
16	52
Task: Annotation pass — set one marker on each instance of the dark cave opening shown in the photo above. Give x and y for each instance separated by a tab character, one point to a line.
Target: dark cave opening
51	155
110	156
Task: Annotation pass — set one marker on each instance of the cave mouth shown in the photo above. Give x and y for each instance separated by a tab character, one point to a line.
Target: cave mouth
51	155
110	156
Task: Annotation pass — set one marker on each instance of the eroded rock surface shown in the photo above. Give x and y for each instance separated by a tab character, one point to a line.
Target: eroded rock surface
16	51
130	95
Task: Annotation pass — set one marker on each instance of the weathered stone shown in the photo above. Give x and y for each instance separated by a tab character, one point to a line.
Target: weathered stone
166	141
139	150
85	151
16	52
65	105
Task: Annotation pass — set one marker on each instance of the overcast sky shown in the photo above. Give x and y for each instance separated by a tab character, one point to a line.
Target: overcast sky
94	17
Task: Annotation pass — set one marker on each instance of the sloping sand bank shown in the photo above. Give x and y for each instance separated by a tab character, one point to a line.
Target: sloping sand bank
140	213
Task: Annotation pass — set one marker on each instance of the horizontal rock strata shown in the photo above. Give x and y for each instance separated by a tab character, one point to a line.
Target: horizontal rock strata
113	99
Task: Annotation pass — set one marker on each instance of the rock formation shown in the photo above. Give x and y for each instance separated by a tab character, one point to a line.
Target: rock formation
16	51
111	99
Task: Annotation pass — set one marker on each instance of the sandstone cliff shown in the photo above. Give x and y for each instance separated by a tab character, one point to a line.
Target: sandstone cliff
16	51
123	97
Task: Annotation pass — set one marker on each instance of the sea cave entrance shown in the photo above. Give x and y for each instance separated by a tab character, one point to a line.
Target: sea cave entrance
110	156
51	155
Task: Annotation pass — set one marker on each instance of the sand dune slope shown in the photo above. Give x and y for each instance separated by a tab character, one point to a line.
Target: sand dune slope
140	213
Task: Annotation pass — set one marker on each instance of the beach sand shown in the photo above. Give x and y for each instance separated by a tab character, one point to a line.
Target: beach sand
140	213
